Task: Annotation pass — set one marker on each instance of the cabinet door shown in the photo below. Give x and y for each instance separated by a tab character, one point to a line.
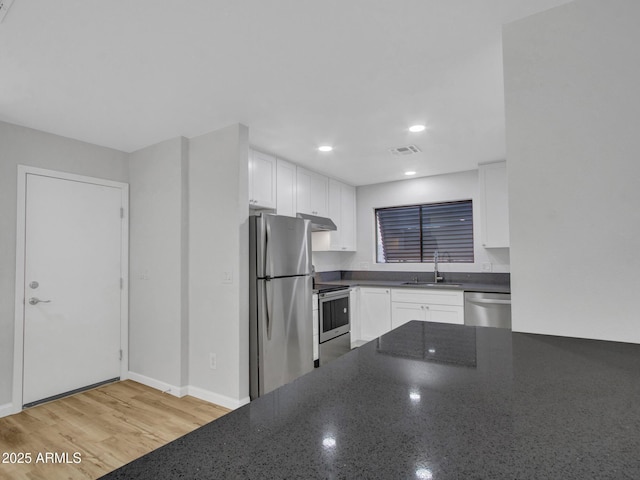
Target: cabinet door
354	311
335	213
319	193
285	188
316	334
262	180
375	312
311	192
348	218
402	313
342	204
445	314
303	190
494	205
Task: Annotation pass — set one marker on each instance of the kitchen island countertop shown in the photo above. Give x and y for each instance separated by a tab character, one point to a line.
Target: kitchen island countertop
431	401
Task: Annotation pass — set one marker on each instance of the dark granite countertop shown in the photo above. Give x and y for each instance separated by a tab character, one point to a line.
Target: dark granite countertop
431	401
465	286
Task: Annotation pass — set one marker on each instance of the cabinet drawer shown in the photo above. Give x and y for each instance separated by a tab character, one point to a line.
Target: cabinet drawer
431	297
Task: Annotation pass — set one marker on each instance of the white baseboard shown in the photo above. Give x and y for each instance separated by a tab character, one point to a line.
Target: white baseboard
202	394
216	398
197	392
6	410
158	385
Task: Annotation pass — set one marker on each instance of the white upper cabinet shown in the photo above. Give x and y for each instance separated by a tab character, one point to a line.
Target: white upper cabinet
494	205
262	180
312	191
342	210
285	188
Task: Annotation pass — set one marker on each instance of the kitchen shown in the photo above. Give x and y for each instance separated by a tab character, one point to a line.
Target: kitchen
557	253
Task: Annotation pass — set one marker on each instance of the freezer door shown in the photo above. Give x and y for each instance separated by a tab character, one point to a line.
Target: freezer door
285	331
284	246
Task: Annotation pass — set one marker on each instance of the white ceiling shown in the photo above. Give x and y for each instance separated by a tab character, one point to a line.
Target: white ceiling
300	73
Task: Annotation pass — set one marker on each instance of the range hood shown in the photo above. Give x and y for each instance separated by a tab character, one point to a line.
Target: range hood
319	224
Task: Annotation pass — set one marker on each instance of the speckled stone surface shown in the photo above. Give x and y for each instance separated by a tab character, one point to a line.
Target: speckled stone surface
468	282
431	401
467	287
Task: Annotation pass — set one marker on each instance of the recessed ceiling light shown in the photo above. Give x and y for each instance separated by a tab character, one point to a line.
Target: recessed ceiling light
410	172
325	148
416	128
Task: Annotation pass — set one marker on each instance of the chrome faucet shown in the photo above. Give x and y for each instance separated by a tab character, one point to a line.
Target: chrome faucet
436	277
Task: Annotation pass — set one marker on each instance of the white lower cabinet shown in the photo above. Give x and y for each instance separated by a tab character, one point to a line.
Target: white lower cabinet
445	306
316	327
354	317
402	313
374	312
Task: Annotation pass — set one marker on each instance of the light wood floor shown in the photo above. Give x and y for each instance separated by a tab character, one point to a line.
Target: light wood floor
108	426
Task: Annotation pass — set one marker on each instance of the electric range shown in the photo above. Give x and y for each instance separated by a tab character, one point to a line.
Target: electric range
326	287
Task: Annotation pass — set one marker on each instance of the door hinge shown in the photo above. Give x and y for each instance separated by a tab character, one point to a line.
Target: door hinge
121	212
121	283
120	354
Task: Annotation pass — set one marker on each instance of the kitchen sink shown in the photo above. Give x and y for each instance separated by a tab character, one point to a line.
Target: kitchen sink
431	284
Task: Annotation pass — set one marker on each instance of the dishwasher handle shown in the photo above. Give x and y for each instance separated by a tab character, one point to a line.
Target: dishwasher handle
489	301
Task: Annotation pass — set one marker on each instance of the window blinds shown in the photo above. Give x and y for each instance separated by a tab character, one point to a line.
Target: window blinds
414	233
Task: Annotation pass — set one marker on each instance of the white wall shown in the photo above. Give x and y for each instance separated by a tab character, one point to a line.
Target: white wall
218	243
158	321
24	146
330	261
572	109
440	188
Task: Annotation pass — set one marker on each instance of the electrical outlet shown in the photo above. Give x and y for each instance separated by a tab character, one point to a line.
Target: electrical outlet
487	267
227	277
213	362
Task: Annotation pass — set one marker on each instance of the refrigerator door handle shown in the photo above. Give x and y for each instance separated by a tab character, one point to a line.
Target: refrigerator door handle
268	268
268	295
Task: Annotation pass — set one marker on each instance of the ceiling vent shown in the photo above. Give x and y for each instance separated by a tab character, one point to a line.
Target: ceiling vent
406	150
4	8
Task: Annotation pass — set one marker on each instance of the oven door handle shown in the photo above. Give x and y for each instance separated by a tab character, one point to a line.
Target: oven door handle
334	295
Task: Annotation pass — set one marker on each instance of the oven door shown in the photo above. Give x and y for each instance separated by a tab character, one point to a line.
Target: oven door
333	314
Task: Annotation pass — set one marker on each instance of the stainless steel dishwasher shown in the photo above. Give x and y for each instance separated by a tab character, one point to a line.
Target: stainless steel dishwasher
487	309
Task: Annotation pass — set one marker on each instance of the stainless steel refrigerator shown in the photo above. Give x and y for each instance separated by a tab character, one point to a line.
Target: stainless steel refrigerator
280	288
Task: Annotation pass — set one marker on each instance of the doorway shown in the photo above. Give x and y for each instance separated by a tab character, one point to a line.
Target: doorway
71	284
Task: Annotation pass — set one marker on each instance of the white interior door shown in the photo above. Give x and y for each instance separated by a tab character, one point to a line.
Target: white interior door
73	267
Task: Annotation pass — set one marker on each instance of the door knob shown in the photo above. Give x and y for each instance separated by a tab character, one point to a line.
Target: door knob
35	301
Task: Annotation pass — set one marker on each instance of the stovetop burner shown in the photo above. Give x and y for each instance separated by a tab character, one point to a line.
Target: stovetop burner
324	288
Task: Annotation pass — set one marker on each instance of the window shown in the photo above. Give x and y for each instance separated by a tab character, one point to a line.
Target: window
414	233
